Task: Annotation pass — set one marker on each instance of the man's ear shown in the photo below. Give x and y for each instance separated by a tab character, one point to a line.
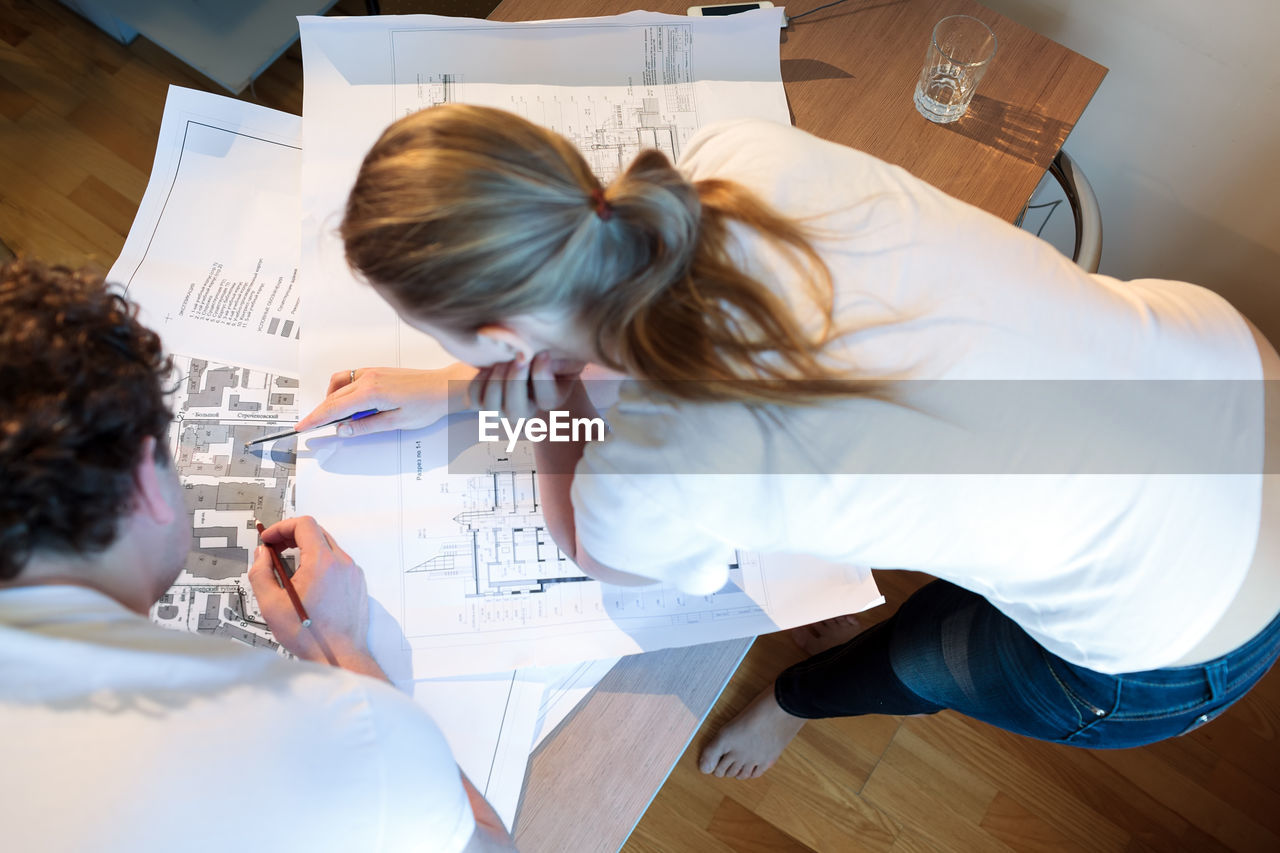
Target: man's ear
151	497
504	342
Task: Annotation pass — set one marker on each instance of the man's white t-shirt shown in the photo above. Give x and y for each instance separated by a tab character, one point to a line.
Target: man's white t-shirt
1117	572
119	735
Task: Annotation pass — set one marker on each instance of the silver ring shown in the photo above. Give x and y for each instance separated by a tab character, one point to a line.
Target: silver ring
353	376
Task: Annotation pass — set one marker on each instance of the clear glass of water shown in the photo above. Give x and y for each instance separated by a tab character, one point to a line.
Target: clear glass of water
959	54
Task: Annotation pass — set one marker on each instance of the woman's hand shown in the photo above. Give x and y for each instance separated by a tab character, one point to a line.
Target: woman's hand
522	389
405	399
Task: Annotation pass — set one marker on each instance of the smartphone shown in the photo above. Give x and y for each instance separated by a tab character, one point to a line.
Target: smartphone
726	9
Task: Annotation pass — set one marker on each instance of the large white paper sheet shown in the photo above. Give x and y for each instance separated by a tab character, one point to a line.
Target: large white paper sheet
614	85
220	403
216	234
468	574
566	686
212	255
489	722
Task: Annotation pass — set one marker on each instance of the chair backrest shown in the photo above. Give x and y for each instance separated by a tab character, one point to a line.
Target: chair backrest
1084	207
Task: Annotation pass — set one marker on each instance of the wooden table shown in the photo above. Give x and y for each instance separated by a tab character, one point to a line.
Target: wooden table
849	72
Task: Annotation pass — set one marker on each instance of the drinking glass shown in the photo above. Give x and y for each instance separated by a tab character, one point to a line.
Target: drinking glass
959	53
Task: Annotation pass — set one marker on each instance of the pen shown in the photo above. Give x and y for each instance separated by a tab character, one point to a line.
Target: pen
277	435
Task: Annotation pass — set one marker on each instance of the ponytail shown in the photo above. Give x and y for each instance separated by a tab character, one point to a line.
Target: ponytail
468	215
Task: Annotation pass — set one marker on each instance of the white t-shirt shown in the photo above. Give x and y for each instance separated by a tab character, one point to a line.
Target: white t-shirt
1117	572
116	734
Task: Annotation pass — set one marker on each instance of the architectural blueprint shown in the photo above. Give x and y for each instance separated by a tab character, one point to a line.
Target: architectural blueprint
226	395
463	562
647	98
212	261
217	408
489	721
212	255
482	578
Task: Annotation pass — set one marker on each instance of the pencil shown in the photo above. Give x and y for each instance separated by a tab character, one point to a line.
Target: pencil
283	575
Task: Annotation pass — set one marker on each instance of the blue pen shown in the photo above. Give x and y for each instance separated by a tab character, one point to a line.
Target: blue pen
278	435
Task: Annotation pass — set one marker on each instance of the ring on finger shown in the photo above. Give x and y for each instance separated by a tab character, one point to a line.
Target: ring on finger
351	376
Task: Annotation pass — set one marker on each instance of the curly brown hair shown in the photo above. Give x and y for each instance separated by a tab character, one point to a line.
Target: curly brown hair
81	385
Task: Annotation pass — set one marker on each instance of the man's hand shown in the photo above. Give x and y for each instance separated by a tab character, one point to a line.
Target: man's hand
331	588
405	399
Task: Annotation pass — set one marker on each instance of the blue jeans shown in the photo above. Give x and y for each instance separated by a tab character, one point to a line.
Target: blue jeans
947	647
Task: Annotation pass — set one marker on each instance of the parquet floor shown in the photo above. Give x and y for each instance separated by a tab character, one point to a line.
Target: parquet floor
78	120
947	783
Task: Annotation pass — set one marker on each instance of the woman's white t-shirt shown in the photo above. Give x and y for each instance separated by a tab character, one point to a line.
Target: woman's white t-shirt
1118	572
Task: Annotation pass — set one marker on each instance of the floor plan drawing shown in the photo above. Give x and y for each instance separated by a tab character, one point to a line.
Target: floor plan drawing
643	97
482	575
460	556
419	90
227	488
243	385
498	542
610	130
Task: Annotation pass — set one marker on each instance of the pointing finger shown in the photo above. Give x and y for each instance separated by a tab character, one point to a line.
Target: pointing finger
343	403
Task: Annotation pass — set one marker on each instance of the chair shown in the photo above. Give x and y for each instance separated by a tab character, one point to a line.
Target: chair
1084	208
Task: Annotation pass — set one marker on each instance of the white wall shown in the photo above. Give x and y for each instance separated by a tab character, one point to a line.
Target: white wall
1182	141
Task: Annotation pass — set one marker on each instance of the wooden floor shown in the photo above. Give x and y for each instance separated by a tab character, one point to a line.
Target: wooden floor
79	116
948	783
78	119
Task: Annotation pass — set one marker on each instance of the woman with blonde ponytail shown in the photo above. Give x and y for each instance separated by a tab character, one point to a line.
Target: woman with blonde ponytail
773	299
521	225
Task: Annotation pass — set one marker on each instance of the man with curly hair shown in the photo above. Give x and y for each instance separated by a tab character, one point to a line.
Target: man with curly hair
116	734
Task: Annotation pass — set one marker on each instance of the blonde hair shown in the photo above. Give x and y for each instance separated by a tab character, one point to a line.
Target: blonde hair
465	216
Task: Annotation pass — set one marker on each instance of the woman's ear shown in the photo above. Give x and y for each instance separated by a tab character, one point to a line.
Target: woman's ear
504	343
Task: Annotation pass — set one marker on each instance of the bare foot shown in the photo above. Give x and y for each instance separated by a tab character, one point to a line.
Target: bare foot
826	634
752	741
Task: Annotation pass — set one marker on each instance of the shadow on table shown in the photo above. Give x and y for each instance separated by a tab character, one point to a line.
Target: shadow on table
1011	130
805	70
